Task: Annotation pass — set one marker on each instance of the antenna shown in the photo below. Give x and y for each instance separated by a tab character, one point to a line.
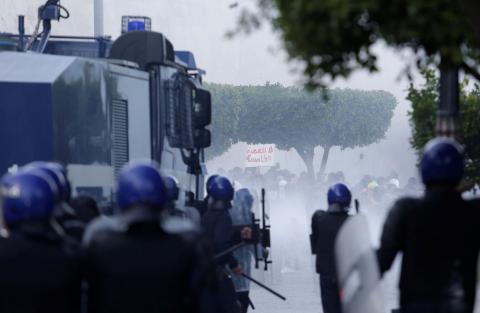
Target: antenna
98	18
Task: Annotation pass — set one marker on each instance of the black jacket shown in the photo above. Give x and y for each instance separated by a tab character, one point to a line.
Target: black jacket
135	263
439	238
39	271
218	229
325	227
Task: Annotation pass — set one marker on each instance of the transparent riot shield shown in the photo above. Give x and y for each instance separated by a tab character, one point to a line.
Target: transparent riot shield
357	268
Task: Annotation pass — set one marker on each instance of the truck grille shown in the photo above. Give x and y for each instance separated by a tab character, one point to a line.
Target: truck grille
119	135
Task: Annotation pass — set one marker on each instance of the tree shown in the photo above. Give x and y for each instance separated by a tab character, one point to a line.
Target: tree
422	119
225	111
334	38
291	117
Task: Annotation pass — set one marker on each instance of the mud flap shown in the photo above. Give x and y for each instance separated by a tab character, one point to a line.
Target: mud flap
358	274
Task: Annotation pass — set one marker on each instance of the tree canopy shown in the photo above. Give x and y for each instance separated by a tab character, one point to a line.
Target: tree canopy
293	118
422	119
334	38
226	104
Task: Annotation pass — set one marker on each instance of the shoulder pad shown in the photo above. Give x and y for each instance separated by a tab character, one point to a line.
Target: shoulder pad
319	213
102	223
407	202
177	226
405	205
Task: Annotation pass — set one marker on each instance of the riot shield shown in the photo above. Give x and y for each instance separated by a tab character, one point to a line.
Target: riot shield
357	268
477	298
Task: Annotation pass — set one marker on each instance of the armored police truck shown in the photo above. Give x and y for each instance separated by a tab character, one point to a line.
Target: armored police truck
94	104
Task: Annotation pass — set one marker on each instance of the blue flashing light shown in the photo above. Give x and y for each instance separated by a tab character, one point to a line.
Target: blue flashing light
136	25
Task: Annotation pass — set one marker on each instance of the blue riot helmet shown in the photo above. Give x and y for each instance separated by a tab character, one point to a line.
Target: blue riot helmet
339	194
140	184
27	196
172	190
66	189
442	162
209	182
221	189
57	173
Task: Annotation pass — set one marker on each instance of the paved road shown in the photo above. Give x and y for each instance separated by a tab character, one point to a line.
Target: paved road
303	295
291	250
300	289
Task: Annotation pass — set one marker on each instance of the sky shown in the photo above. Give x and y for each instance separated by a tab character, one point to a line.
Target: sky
201	25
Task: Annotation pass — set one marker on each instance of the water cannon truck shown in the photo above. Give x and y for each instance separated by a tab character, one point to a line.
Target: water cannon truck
94	104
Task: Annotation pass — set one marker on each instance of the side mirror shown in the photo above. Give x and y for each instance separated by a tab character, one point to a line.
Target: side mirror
203	138
188	113
202	117
202	108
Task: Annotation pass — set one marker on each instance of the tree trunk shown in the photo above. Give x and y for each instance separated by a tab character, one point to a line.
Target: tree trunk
326	152
307	157
448	107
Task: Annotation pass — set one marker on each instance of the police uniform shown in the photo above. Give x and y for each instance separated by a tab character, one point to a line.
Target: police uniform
218	229
437	236
325	227
40	270
137	264
140	262
241	214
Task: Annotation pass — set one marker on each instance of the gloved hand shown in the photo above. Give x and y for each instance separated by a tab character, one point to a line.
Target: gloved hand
237	270
246	233
265	253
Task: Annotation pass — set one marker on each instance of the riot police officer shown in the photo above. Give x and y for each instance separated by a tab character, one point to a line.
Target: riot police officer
138	263
218	229
203	205
173	193
438	235
217	223
40	269
325	227
241	214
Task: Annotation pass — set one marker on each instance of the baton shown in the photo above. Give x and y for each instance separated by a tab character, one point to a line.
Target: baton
264	287
251	303
230	250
